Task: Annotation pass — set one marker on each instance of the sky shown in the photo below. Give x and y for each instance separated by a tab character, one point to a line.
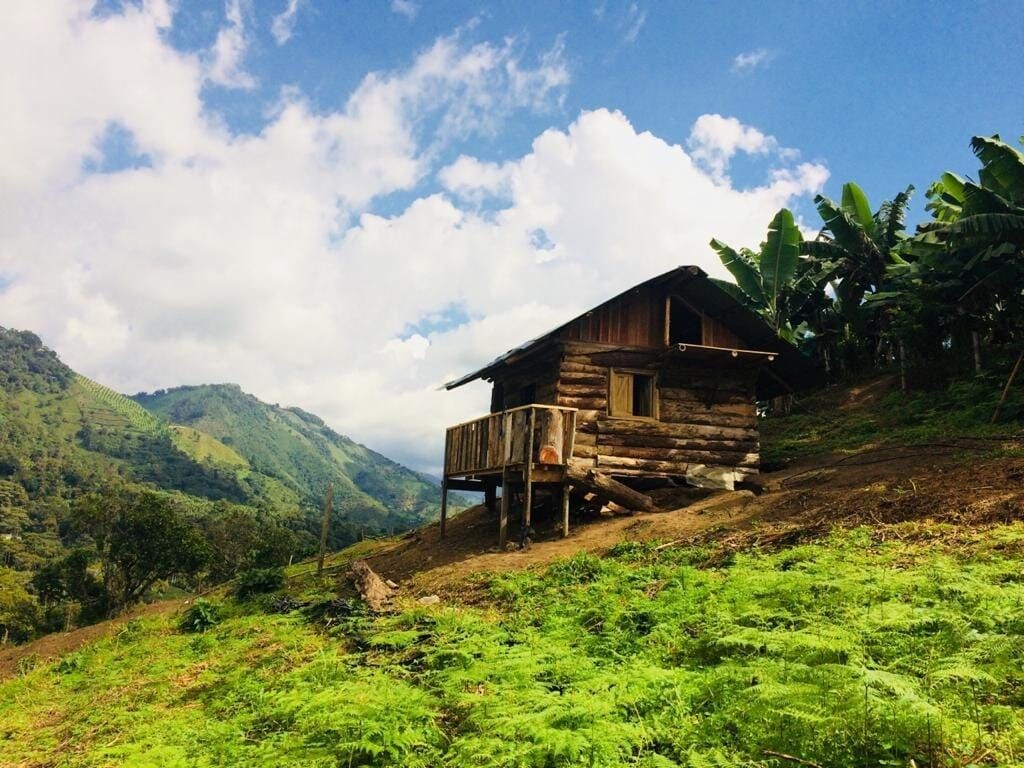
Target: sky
342	205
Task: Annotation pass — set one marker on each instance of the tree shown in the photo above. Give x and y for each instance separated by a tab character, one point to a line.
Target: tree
141	538
862	246
19	612
776	281
960	276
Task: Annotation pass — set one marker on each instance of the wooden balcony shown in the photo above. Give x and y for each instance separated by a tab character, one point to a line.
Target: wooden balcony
537	436
518	447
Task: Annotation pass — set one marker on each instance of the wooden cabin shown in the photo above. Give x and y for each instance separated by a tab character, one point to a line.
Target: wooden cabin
659	383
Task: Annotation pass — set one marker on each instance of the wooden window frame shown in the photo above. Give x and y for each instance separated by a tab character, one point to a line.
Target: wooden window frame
655	394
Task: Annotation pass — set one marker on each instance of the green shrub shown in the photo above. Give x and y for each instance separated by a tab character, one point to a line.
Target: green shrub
200	616
259	581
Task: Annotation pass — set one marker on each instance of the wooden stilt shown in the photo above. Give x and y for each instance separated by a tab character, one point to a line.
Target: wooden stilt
528	481
565	510
490	494
444	507
506	499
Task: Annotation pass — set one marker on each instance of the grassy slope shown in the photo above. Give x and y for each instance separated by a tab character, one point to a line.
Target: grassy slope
303	453
871	647
874	413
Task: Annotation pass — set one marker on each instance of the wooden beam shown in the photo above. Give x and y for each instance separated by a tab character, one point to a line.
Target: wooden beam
565	510
456	484
605	487
444	506
506	500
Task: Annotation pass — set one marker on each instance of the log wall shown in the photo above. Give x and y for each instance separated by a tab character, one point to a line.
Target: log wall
707	413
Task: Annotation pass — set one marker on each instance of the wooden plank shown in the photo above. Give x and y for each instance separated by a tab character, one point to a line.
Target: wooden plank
528	490
609	425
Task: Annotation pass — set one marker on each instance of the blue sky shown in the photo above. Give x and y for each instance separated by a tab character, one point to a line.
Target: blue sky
887	94
341	205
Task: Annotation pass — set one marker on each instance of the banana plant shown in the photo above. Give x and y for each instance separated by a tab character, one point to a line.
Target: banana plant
776	281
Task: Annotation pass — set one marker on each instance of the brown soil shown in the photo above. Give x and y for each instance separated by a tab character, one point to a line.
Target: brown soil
942	482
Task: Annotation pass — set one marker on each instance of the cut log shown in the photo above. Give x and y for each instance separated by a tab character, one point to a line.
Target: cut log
552	436
605	487
371	587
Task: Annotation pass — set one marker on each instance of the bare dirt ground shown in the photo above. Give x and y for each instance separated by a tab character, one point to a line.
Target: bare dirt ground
958	481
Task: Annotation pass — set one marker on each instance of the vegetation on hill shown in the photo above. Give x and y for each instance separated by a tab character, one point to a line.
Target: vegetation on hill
303	453
938	304
77	457
900	645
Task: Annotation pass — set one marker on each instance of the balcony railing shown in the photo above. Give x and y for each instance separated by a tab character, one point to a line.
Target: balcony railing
512	439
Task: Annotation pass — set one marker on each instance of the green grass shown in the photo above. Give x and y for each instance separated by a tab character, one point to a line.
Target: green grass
828	422
850	651
202	447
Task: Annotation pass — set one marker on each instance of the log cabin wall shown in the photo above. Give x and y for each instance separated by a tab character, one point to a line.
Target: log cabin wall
706	412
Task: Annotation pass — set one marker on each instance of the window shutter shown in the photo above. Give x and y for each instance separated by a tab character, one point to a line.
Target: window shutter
620	401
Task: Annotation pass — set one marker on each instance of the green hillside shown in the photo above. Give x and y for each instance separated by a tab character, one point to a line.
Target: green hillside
895	646
304	454
235	468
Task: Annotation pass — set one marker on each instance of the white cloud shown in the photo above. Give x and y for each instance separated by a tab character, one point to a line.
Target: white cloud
715	140
258	259
226	57
635	19
751	60
407	8
282	27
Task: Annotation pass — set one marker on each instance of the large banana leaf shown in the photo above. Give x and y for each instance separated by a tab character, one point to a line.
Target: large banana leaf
855	205
1005	225
845	231
743	269
1003	170
779	256
891	218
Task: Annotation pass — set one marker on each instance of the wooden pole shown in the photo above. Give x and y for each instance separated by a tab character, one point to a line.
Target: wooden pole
324	526
444	506
506	500
490	494
528	490
565	509
1006	389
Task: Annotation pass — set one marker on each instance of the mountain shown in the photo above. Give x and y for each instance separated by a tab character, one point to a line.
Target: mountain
213	448
222	424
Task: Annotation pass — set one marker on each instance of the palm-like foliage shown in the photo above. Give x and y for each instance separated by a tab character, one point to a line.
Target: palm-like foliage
863	246
776	281
971	256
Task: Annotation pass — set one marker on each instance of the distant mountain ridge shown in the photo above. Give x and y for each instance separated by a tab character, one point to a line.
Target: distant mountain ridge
298	449
63	436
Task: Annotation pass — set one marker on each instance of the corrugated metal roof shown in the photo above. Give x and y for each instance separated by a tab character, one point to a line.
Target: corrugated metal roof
791	370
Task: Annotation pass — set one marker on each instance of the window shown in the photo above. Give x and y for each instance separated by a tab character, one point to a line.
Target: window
684	325
632	394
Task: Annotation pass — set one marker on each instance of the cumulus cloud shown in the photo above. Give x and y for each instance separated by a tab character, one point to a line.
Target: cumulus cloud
226	57
751	60
258	258
282	27
715	140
